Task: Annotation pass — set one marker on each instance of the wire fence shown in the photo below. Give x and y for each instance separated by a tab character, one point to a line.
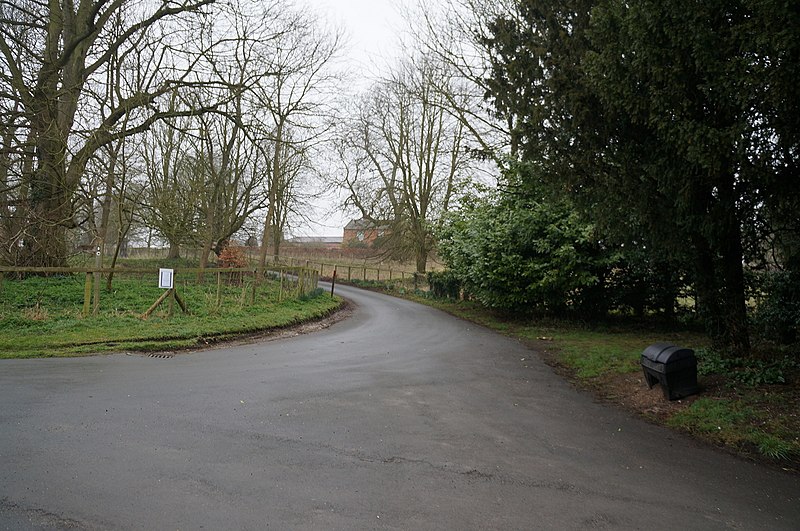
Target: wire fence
357	273
141	290
350	266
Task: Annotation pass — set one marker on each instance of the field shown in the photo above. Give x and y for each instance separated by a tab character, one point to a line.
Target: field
43	316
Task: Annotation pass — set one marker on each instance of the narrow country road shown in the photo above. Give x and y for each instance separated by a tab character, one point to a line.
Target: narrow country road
400	417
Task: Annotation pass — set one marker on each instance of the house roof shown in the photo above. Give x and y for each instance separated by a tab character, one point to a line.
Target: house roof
361	224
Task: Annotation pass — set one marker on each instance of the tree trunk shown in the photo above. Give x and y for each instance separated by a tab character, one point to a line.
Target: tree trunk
421	257
51	210
276	244
271	197
174	251
721	293
265	237
122	234
46	242
204	259
737	335
705	283
735	323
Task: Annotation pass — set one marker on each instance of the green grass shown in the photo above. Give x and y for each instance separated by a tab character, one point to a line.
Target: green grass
42	317
739	423
595	353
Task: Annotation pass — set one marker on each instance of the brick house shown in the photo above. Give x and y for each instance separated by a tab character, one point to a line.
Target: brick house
363	232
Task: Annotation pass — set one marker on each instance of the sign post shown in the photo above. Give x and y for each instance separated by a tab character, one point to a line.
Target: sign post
166	280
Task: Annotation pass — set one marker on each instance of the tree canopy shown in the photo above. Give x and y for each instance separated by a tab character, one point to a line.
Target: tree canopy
671	126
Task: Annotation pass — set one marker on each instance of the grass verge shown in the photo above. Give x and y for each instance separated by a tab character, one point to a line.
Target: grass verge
41	317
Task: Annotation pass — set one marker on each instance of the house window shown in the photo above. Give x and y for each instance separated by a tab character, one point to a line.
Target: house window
360	236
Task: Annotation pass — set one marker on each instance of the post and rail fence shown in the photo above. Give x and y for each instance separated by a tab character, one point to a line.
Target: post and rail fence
350	272
349	269
287	281
292	277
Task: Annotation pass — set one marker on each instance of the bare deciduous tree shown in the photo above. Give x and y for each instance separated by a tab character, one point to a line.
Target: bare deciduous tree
453	32
402	156
171	198
52	56
293	100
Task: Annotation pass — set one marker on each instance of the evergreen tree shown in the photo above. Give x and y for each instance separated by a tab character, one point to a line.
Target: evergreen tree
671	122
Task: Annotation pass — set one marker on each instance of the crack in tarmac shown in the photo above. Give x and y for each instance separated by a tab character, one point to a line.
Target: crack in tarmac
40	518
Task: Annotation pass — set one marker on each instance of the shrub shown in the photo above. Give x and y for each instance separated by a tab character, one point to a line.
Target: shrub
444	284
746	371
777	316
526	256
232	256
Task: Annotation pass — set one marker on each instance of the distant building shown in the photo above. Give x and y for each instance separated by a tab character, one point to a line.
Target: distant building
362	231
329	242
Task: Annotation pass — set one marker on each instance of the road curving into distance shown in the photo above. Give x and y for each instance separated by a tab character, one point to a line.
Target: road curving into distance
400	417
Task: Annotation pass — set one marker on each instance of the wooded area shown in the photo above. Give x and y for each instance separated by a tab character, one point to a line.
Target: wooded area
575	157
651	157
182	120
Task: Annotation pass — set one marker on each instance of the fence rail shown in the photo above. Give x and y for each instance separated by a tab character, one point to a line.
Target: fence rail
287	281
295	276
357	272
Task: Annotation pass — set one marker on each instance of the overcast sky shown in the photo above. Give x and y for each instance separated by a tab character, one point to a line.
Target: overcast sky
372	28
371	25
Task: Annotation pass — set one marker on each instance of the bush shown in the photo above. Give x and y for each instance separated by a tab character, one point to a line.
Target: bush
746	371
643	281
444	284
777	316
232	256
526	256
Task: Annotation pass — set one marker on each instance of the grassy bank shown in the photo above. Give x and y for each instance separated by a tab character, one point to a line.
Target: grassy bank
41	316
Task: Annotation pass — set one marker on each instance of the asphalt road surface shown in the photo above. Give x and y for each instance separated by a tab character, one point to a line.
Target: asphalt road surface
400	417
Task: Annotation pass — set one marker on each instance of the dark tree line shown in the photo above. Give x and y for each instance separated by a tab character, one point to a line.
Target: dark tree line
672	128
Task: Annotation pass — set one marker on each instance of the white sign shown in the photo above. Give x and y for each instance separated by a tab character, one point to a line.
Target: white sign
165	278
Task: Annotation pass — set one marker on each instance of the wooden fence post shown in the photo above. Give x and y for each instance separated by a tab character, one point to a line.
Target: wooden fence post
87	294
300	282
219	289
179	300
97	279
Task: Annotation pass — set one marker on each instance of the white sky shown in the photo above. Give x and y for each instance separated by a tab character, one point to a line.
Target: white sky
372	29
